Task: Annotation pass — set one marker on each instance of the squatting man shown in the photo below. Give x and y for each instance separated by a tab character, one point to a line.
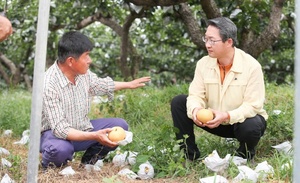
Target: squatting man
229	82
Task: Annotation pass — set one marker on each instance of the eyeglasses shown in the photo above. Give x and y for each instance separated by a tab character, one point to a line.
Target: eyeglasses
211	42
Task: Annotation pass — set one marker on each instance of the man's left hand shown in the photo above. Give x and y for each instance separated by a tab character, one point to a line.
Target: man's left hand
219	117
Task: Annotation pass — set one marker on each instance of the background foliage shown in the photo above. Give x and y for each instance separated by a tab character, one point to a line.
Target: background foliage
168	54
160	38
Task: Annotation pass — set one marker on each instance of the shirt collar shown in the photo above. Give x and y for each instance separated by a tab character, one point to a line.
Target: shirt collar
237	64
63	80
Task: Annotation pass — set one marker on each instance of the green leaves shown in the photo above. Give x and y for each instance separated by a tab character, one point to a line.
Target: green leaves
160	39
148	113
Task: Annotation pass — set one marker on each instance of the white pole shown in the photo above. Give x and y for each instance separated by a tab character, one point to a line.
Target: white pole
38	82
296	141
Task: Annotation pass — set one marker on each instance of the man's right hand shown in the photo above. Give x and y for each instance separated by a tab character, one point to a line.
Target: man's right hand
101	136
196	121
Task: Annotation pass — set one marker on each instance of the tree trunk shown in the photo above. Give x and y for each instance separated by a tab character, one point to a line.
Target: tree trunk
255	45
5	64
192	25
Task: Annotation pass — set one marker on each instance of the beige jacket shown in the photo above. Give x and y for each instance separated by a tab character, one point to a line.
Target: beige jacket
242	94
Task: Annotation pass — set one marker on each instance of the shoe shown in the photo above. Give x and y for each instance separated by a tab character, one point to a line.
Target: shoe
192	155
51	165
93	154
249	156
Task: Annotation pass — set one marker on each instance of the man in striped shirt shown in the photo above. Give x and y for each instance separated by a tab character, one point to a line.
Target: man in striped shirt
68	87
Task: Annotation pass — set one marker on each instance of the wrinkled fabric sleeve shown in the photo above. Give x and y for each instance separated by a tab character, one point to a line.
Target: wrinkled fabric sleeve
196	97
254	98
101	86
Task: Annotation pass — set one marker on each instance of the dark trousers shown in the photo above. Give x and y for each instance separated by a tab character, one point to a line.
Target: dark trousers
248	133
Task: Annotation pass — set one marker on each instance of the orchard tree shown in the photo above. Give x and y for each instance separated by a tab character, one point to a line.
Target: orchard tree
138	37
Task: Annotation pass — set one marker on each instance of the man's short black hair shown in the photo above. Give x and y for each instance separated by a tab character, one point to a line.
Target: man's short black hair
73	44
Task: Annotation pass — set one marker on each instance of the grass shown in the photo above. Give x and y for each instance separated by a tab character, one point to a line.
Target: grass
147	111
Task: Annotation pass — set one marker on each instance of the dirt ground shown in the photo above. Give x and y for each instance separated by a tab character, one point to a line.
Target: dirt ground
108	173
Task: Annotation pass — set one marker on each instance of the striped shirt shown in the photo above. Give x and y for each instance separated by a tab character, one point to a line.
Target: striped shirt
66	105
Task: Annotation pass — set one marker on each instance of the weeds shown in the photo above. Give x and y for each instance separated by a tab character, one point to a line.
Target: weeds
147	111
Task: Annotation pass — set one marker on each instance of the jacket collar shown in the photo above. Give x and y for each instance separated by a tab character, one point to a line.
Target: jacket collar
237	65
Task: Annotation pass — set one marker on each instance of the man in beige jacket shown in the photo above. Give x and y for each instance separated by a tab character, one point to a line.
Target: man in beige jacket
230	83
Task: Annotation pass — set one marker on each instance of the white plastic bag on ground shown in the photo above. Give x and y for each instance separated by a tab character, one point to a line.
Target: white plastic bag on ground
215	163
26	133
128	173
25	138
264	170
4	151
246	173
96	167
89	167
238	161
276	112
214	179
6	179
131	158
123	159
7	133
5	163
67	171
119	160
284	147
146	171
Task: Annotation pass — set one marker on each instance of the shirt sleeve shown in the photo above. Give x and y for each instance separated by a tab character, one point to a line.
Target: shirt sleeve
101	86
196	96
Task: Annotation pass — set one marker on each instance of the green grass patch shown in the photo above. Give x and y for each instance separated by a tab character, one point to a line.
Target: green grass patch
15	110
147	110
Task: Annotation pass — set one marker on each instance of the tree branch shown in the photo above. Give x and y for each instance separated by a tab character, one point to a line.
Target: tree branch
126	45
123	32
210	9
192	25
156	2
9	64
4	74
85	22
14	71
270	33
105	20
